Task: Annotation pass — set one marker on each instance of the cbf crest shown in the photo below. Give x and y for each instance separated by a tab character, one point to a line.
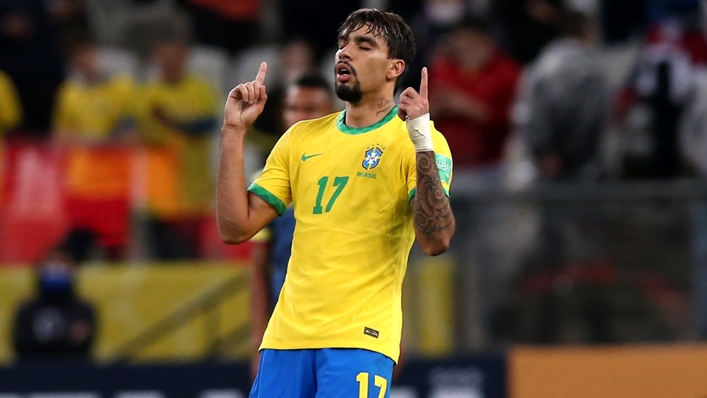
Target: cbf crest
372	157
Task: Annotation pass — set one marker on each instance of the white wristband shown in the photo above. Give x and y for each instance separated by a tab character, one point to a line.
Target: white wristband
420	133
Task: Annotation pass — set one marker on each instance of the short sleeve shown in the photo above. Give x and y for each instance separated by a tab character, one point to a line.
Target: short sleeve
273	184
443	158
10	109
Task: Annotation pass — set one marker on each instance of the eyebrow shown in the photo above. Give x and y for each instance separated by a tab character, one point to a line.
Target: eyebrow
366	39
360	40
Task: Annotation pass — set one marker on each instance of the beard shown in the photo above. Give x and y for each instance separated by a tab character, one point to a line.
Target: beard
352	94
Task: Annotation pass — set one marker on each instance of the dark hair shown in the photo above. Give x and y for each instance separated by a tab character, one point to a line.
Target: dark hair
474	24
313	81
392	27
574	24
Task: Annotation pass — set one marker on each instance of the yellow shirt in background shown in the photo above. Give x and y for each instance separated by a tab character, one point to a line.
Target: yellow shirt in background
10	109
179	178
10	117
351	191
88	114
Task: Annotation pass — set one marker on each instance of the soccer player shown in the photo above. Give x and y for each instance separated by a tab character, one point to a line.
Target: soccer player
309	97
95	119
364	183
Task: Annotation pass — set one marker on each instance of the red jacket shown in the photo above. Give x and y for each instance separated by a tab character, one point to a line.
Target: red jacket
477	143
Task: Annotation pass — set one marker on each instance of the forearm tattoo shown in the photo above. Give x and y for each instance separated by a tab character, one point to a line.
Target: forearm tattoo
432	213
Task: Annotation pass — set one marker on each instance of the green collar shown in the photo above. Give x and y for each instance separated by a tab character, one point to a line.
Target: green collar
341	123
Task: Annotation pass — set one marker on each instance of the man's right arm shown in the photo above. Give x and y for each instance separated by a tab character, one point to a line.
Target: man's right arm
240	214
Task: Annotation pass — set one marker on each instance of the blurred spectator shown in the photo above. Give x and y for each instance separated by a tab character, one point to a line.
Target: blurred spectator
55	324
317	21
562	106
660	86
528	25
472	87
227	24
309	97
94	120
296	60
560	116
178	117
30	54
10	109
432	20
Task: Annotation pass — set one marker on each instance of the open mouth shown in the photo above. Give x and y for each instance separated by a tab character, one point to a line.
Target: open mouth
343	72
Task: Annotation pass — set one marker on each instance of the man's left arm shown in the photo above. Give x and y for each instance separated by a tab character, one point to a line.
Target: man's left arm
432	214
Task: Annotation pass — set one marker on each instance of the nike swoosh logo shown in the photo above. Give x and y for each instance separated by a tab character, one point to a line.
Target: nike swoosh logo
305	157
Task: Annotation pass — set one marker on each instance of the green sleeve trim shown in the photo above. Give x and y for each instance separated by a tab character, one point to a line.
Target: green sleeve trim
444	167
271	199
414	191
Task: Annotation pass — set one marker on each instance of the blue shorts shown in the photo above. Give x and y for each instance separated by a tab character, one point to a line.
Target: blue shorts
323	373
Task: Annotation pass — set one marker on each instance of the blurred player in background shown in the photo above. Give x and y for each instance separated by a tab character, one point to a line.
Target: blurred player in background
310	97
10	108
178	118
56	323
364	184
95	120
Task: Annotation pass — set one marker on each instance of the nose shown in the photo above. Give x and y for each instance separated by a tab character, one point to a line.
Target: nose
343	54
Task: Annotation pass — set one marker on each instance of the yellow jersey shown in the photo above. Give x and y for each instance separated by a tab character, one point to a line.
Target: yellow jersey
94	112
10	109
351	190
179	173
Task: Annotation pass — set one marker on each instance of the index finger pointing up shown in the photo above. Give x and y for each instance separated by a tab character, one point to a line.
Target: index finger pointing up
423	84
260	78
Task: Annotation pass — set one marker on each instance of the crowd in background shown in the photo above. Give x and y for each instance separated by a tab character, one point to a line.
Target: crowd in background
123	100
518	87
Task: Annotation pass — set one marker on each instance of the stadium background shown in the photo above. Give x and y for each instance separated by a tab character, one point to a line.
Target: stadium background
578	287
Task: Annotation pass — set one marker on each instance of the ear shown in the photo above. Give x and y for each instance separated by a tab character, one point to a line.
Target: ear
395	69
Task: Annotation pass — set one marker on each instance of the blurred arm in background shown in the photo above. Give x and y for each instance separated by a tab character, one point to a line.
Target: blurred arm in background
260	293
10	109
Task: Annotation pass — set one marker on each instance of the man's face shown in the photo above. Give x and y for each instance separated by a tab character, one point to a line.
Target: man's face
172	59
303	103
362	64
471	48
85	61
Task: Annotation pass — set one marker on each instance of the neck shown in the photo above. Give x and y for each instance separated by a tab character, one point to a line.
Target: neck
370	110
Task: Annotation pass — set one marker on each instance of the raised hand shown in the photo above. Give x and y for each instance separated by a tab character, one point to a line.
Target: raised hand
413	105
415	110
246	101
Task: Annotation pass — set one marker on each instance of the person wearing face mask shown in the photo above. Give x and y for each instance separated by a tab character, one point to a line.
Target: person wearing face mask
56	323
